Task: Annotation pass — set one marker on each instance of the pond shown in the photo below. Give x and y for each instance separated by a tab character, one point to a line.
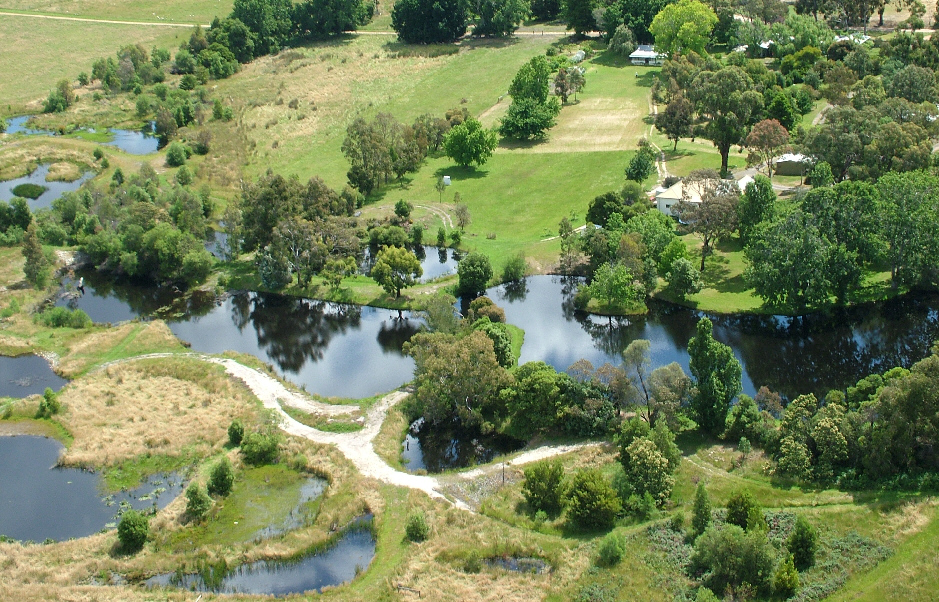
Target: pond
53	189
108	301
339	563
435	262
333	349
27	375
813	353
439	449
40	501
139	142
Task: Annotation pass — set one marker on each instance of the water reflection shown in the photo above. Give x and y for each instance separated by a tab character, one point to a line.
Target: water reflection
812	353
364	343
435	262
140	142
436	449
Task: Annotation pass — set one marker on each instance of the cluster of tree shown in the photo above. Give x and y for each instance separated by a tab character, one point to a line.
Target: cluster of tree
461	377
533	111
822	247
384	148
738	556
140	228
441	22
629	250
296	228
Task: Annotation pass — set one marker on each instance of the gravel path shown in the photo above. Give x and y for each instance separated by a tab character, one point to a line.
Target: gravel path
358	446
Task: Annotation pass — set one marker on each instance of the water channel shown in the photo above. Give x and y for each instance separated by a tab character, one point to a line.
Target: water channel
132	142
40	501
354	351
53	189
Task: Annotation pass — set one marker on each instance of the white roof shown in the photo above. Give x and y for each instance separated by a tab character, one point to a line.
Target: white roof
676	191
793	157
857	38
646	51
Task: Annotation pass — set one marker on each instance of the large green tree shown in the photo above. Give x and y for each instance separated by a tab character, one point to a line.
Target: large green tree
683	26
638	16
909	218
676	120
717	375
37	266
757	204
729	102
429	21
499	18
579	15
317	18
469	142
474	273
271	21
396	268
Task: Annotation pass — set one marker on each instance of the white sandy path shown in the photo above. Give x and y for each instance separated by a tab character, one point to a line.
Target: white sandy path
356	446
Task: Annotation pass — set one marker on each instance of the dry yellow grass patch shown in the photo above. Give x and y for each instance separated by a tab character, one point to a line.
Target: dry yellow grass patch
164	406
63	172
19	158
436	565
128	340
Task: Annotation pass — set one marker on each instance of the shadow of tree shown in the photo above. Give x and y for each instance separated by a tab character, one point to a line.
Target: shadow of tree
457	172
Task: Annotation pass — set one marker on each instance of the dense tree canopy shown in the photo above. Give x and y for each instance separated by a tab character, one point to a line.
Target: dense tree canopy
683	26
469	142
717	377
429	21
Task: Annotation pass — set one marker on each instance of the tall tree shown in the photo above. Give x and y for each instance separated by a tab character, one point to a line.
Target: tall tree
909	215
728	100
766	141
499	18
269	20
638	16
429	21
579	15
395	269
757	204
676	120
36	268
715	216
717	375
682	27
469	142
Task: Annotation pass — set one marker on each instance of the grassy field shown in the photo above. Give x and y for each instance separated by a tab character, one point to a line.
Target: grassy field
166	11
36	53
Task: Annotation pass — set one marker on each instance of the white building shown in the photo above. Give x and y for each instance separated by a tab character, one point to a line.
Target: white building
668	198
646	55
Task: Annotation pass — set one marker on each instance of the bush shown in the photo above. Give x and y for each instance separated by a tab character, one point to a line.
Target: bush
474	273
184	176
260	448
701	517
198	501
802	544
416	527
133	530
176	155
729	557
786	581
592	502
49	405
515	268
62	317
612	549
543	487
236	432
222	478
739	508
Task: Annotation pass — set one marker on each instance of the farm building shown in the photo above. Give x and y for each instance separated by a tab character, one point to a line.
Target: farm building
646	55
668	198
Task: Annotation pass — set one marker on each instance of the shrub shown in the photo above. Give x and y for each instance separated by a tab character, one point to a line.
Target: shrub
729	557
515	268
222	478
786	581
176	155
49	404
62	317
260	448
133	530
473	274
184	176
416	528
417	235
543	488
98	154
701	517
802	544
403	209
739	508
198	501
441	237
612	549
592	502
